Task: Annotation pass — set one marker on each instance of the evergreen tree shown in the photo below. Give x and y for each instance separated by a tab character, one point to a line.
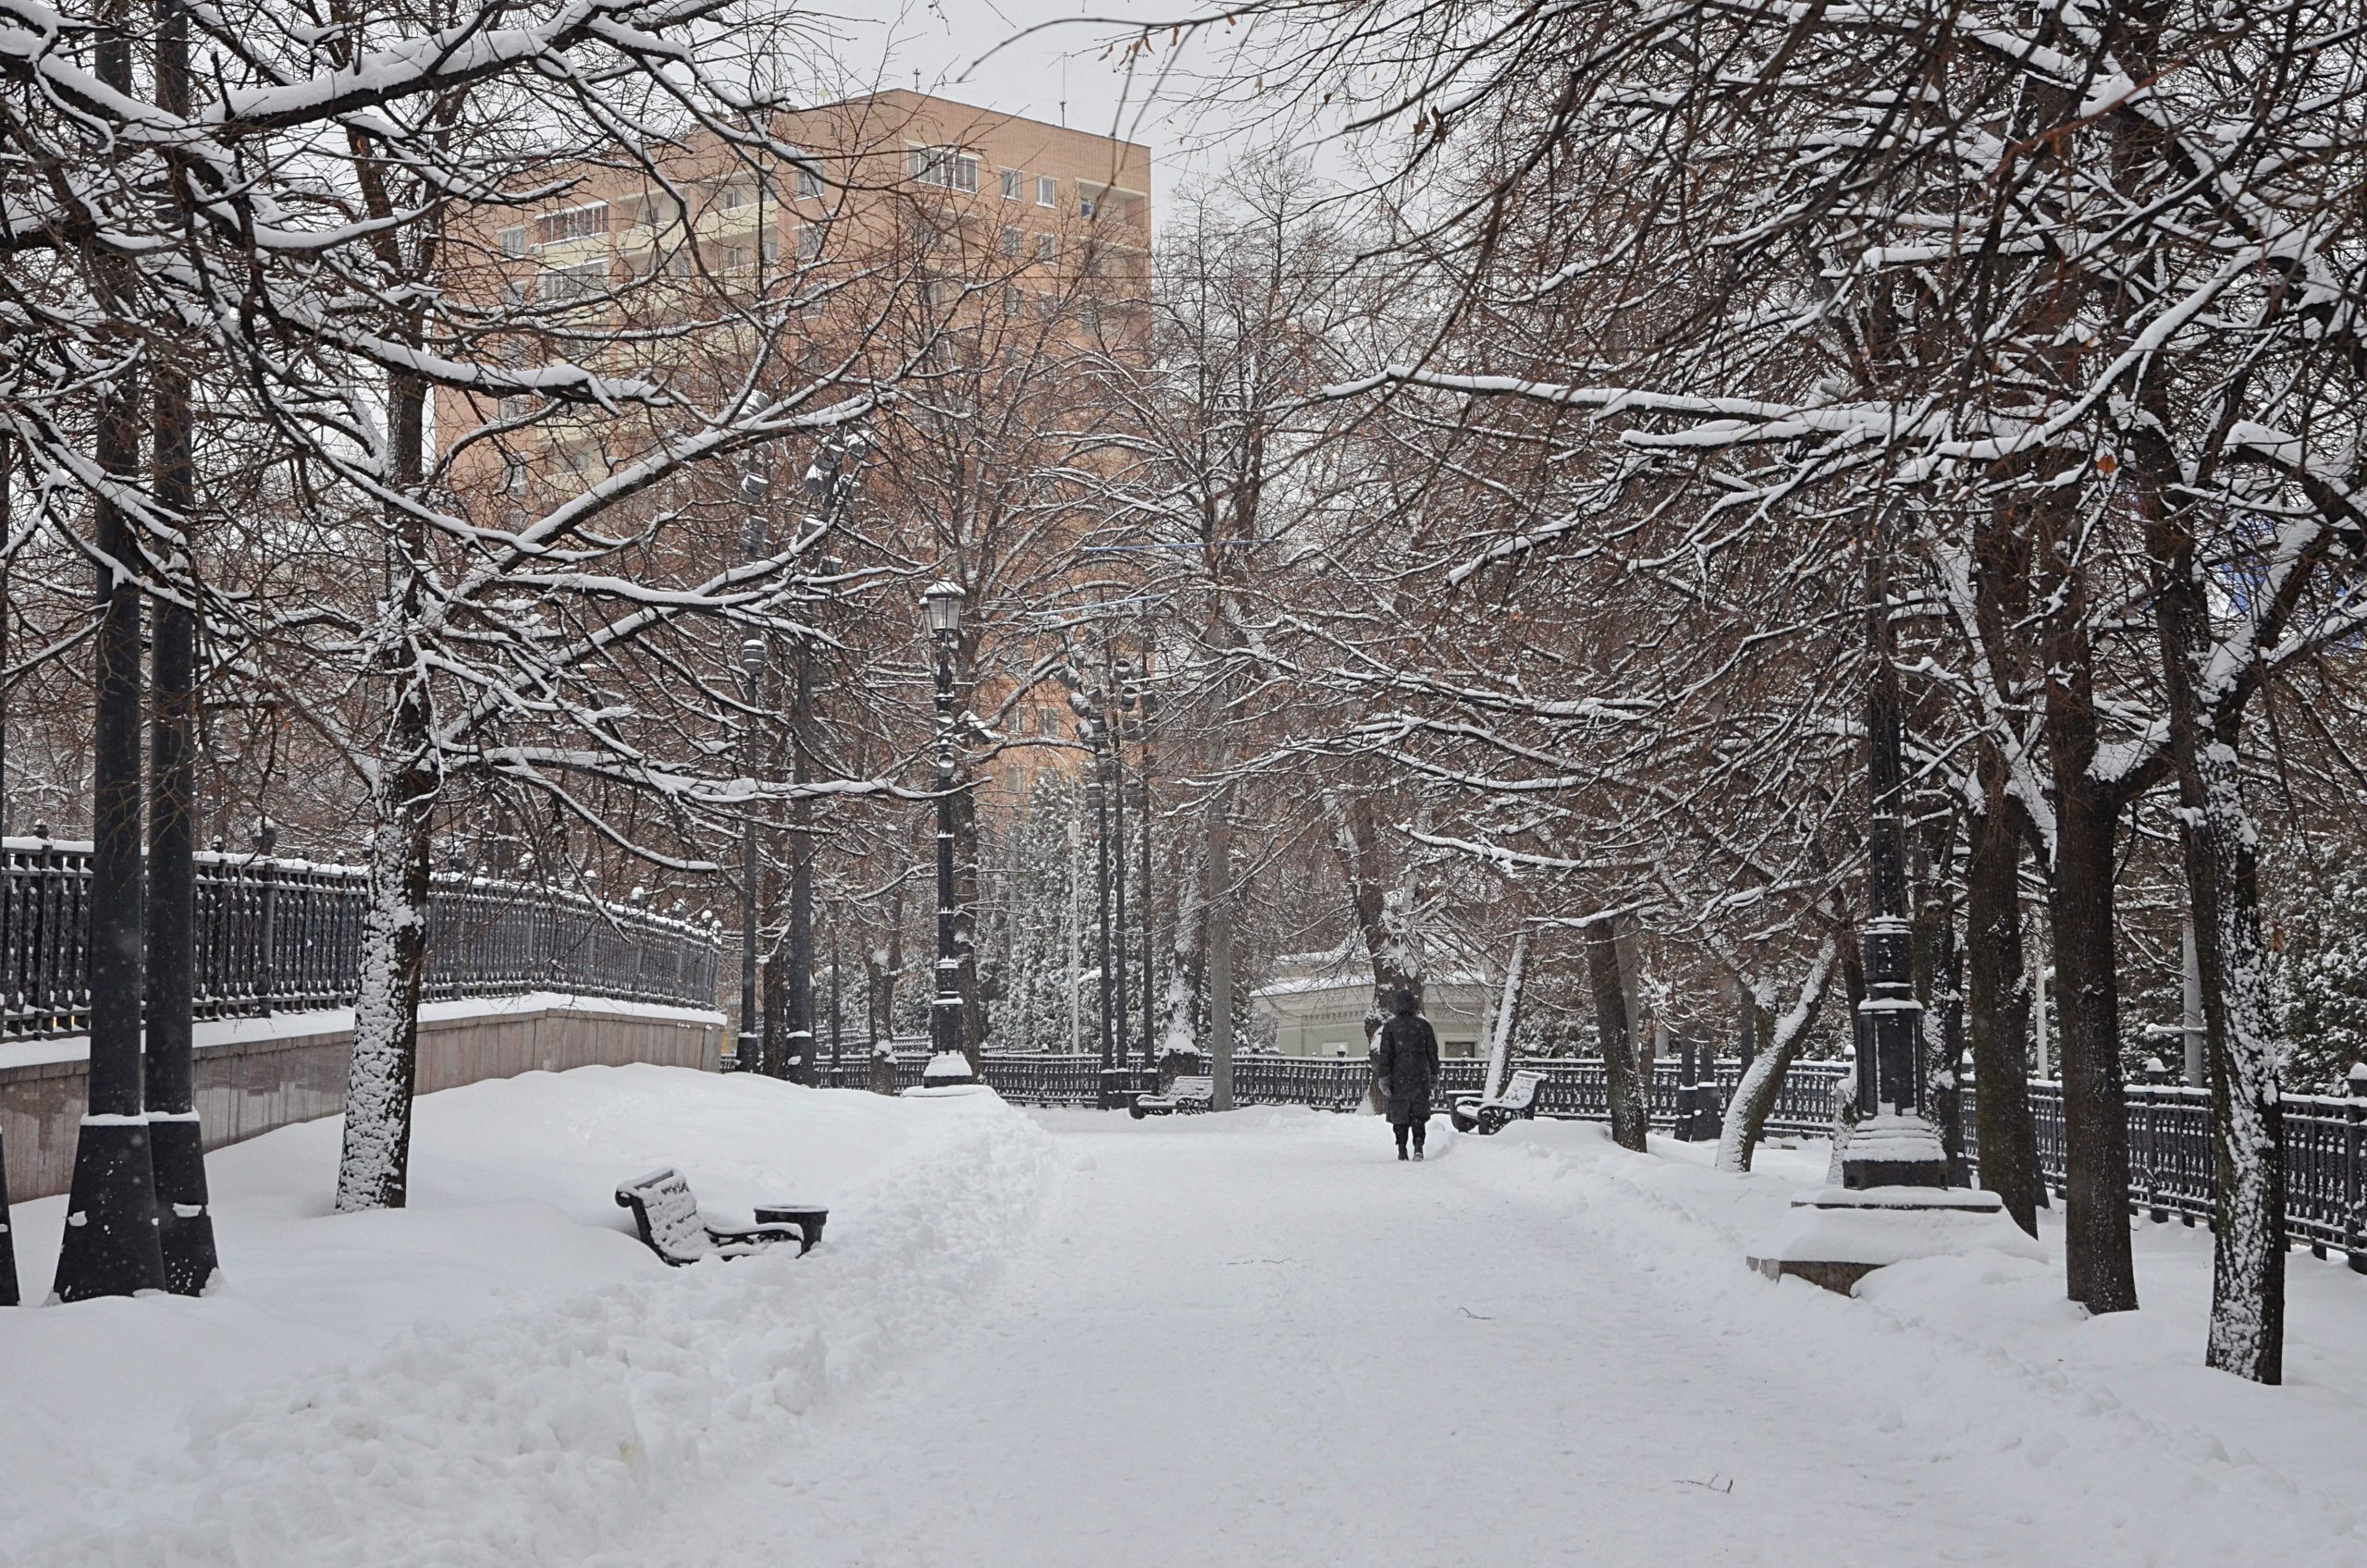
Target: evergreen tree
2319	980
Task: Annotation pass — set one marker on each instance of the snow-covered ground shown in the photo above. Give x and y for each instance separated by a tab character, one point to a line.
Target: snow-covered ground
1063	1338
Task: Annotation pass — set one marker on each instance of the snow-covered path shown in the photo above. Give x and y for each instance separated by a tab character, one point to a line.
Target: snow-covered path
1257	1339
1249	1340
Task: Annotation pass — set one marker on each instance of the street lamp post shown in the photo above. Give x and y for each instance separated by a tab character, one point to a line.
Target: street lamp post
948	1062
1144	703
1895	1143
751	1043
1097	801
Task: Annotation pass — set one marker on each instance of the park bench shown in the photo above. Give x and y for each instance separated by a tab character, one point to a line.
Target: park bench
1185	1097
1473	1114
673	1227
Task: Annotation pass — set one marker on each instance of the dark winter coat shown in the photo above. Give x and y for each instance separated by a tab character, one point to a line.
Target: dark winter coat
1406	1061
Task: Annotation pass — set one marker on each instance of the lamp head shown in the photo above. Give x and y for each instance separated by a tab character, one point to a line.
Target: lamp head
752	656
942	607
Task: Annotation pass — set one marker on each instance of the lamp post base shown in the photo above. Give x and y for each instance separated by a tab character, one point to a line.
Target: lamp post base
1894	1150
946	1069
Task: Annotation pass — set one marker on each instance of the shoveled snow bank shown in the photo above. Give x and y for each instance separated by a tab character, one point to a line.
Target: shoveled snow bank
500	1374
1982	1362
1886	1225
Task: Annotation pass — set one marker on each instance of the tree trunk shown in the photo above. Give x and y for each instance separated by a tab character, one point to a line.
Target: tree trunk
1219	953
1998	1018
1944	1034
112	1248
374	1170
1763	1082
976	1018
2098	1270
881	968
184	1228
1500	1037
1614	1025
2246	1332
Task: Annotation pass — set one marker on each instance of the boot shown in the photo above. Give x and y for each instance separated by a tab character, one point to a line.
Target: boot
1401	1151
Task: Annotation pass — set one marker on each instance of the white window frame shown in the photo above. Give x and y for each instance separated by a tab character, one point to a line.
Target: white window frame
1014	185
1047	191
593	276
582	222
946	167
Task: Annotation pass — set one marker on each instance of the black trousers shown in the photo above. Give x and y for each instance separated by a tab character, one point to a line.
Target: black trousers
1416	1128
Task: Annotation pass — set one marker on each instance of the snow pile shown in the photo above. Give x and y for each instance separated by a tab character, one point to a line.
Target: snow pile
1886	1225
501	1374
1980	1360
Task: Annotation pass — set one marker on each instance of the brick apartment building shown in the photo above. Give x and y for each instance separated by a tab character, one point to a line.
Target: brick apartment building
963	208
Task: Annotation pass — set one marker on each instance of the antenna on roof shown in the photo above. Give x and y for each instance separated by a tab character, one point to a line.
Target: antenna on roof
1064	95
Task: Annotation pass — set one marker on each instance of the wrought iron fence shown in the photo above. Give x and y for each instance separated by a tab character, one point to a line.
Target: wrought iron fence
279	935
1573	1088
2171	1168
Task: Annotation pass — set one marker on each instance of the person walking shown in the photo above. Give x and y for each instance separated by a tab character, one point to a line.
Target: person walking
1406	1061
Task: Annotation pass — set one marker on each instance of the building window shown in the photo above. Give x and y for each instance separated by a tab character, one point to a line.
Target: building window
1014	301
1047	191
574	223
809	241
655	211
1011	240
1085	206
948	169
1014	185
562	286
513	241
732	197
513	473
809	180
1048	248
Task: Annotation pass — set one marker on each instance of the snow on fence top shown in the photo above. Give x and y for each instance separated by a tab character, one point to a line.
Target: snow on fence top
281	934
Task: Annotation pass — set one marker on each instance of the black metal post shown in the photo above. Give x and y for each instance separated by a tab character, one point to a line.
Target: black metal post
751	1043
185	1228
111	1246
801	874
948	1062
837	1017
1150	909
1900	1146
1119	1016
1098	798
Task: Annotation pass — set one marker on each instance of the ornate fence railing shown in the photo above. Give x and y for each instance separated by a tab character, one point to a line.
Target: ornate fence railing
1574	1088
276	935
2170	1159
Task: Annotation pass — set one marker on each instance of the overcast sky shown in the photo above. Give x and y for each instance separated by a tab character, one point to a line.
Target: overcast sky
1060	76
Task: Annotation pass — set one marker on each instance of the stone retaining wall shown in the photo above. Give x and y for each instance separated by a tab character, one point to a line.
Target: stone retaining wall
257	1073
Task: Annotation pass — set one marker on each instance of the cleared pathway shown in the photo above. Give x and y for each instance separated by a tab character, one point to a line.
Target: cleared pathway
1271	1344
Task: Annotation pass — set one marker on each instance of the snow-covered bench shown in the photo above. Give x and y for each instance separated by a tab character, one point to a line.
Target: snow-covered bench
1185	1097
671	1226
1519	1102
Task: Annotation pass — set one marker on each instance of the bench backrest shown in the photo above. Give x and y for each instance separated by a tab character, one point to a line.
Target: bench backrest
1521	1092
670	1212
1203	1088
